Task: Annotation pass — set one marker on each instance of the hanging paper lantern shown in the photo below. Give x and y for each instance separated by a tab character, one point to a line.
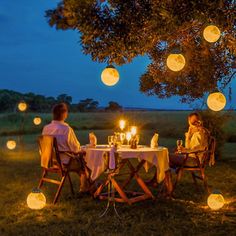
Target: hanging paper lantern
11	144
211	33
122	124
110	76
22	106
36	199
216	101
37	120
175	61
215	201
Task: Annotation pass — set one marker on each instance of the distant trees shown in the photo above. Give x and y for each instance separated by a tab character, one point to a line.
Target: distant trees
87	105
113	106
40	103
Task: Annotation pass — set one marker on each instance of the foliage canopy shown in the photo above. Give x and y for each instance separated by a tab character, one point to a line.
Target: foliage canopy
117	31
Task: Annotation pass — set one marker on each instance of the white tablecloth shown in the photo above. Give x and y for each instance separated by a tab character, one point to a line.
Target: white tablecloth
158	157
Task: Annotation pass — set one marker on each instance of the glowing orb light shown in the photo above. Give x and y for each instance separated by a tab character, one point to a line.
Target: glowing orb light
216	101
36	199
175	62
22	106
11	144
110	76
215	201
37	120
211	33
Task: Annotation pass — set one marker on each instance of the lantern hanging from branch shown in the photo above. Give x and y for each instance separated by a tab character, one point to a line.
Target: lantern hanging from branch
22	106
216	101
175	61
211	33
110	76
11	144
36	199
215	200
37	120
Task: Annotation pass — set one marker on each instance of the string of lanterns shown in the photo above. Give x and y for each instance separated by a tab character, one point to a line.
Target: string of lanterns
176	62
22	107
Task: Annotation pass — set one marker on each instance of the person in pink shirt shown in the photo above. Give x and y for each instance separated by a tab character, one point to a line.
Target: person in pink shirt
66	141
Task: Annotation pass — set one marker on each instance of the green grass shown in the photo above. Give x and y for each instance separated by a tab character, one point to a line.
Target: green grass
187	214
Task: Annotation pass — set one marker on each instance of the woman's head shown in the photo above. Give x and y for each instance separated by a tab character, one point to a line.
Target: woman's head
60	112
194	119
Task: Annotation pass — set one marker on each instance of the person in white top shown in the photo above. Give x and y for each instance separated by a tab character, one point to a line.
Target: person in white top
66	140
196	139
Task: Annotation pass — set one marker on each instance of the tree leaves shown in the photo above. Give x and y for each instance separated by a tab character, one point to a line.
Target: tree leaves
117	31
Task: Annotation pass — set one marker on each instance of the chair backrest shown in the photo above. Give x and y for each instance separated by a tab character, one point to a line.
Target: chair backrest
49	151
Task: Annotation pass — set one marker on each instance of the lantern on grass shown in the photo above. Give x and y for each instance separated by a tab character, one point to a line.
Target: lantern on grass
22	106
216	101
211	33
215	200
36	199
175	62
11	144
110	76
37	120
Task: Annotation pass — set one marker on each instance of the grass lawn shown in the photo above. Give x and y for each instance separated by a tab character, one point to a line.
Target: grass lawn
187	214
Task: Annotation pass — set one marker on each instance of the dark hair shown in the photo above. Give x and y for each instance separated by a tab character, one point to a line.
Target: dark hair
199	118
59	110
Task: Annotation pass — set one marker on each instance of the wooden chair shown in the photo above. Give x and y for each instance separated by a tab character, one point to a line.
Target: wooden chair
51	163
199	165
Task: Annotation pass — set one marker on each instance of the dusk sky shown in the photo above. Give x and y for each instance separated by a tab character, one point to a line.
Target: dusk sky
36	58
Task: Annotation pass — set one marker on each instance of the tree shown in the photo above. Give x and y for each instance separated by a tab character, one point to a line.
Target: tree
64	98
117	31
87	104
113	106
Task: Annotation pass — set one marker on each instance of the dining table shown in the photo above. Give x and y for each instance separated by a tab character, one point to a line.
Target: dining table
111	160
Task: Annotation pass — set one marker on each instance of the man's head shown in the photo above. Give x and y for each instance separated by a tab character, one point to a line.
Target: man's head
194	119
60	112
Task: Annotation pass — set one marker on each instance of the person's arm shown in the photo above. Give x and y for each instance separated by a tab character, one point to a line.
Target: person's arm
73	142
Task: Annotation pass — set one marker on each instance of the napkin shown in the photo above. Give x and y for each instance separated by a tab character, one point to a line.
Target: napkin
92	139
112	160
154	141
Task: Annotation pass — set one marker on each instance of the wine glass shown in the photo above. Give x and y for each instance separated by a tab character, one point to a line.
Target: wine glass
179	143
110	140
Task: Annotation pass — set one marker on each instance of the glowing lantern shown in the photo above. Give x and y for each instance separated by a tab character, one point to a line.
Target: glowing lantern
11	144
216	101
175	62
133	130
211	33
37	120
36	199
22	106
122	124
215	201
128	136
110	76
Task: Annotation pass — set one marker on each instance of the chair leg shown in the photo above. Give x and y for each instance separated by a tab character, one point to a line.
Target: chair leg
71	186
178	177
194	180
204	178
59	189
41	180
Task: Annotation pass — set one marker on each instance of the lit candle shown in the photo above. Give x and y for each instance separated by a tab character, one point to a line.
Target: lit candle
122	124
133	130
